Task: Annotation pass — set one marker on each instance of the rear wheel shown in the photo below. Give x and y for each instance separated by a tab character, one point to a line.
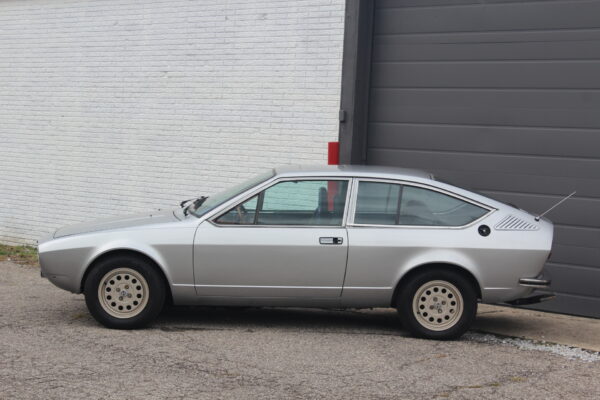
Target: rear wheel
124	292
437	304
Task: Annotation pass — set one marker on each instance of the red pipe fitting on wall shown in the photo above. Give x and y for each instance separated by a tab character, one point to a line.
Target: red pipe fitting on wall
333	153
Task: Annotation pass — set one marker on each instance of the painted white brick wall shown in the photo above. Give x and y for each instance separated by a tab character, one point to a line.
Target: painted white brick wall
117	106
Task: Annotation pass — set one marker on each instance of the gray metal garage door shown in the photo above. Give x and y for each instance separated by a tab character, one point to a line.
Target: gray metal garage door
503	97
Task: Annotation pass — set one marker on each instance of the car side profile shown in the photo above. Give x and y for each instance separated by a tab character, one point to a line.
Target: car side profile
328	237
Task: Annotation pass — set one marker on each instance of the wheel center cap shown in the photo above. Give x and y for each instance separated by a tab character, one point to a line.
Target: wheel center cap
123	293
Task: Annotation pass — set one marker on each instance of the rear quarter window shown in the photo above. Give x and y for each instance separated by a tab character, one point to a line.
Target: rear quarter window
420	206
382	203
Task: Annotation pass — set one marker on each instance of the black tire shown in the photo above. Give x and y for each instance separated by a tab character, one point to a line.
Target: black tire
418	315
151	292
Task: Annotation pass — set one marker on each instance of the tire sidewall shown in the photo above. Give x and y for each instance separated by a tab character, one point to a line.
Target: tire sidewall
156	292
404	304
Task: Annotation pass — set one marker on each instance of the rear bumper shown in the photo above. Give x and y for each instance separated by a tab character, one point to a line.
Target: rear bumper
535	283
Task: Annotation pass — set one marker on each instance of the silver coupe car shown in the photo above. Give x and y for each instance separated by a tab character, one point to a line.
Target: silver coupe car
336	237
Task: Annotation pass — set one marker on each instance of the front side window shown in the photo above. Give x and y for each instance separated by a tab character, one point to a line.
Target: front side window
380	203
302	202
242	214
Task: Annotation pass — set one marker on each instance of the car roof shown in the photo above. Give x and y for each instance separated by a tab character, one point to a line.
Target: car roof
370	171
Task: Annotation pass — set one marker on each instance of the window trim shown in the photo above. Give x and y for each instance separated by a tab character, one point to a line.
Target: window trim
213	219
402	183
399	205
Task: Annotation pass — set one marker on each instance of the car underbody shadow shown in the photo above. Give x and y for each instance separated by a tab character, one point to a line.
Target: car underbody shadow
374	321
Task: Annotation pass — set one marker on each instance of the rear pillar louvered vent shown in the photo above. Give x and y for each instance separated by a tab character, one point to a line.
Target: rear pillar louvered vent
512	223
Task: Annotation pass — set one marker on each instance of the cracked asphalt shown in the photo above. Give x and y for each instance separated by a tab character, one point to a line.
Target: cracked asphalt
51	348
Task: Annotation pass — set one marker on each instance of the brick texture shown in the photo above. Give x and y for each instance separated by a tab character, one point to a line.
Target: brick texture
110	107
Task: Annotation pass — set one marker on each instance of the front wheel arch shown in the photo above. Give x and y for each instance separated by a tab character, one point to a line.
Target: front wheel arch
128	252
450	267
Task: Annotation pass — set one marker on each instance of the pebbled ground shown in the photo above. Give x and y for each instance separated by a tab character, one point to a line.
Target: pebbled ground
51	348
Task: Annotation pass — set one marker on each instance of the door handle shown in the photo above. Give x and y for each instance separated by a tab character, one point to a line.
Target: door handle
331	240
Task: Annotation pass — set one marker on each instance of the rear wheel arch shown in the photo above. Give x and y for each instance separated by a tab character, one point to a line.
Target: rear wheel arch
128	252
433	266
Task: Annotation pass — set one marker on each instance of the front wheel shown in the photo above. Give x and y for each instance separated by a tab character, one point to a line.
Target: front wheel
437	304
124	292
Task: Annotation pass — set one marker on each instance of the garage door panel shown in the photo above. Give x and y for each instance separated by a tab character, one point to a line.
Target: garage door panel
562	281
577	236
484	139
481	50
519	183
528	108
429	3
577	255
495	98
483	115
509	74
489	38
415	3
487	163
489	17
542	185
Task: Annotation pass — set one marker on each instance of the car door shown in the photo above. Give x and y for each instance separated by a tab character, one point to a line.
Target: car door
397	224
287	241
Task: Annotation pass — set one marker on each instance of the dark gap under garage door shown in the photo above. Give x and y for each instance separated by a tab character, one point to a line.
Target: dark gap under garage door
504	97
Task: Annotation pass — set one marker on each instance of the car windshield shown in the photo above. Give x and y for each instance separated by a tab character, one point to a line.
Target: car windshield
221	197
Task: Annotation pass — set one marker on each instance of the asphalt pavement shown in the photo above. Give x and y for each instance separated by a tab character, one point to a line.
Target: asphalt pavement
51	348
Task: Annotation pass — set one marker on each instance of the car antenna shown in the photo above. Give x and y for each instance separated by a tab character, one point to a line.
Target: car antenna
554	206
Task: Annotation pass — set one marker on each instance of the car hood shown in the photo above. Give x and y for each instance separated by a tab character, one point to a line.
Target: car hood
128	221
